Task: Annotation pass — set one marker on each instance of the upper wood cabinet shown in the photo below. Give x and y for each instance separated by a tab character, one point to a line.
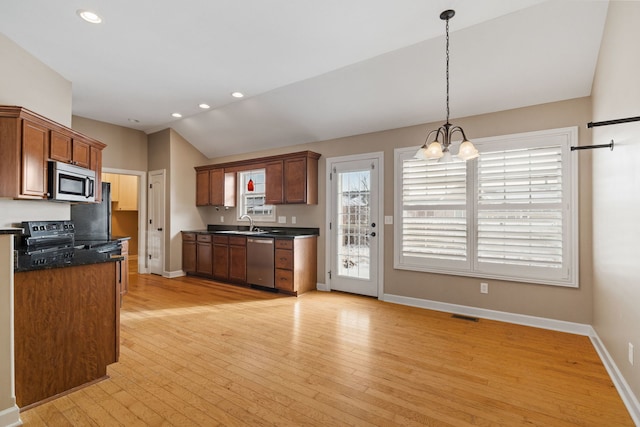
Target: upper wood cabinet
215	187
28	141
69	150
290	178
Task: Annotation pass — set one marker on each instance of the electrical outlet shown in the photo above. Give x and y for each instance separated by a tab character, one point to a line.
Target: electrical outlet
631	354
293	220
282	220
484	288
221	218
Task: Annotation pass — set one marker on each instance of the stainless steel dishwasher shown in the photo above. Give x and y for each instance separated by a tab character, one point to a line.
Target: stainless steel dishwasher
260	263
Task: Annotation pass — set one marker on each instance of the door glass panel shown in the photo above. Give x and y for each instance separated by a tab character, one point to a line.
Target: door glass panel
353	224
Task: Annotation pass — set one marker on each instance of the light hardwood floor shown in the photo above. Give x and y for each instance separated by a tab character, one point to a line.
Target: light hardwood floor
199	353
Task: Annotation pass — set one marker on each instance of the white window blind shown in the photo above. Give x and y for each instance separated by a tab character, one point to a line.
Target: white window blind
510	214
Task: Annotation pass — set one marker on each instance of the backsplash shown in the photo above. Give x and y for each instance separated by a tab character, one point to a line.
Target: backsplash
13	212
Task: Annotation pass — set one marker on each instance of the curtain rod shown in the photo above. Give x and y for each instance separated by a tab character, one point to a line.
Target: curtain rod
613	122
589	147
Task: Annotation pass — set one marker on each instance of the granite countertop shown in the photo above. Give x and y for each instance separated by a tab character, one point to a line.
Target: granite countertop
69	257
279	232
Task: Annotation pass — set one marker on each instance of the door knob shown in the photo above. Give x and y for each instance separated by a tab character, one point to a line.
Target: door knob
373	234
159	229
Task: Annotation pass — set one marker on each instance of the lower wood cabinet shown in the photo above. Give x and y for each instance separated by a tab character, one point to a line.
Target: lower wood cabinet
221	257
295	264
189	253
66	329
124	268
238	259
204	255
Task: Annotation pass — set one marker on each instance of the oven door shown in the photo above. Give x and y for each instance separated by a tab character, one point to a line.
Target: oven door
71	183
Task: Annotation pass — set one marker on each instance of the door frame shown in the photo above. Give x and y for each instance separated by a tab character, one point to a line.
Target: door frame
142	214
379	155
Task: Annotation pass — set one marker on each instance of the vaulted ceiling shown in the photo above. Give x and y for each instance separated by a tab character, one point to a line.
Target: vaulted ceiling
310	70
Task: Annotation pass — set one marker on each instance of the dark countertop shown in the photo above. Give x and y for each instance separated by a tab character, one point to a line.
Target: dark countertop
277	232
13	230
70	257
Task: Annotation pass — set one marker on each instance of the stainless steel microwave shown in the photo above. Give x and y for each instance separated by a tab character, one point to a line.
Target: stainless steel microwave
71	183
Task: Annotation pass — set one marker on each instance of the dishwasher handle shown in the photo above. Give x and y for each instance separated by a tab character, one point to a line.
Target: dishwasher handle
262	241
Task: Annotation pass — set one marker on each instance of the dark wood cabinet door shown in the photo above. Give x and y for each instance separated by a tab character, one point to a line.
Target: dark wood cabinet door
216	187
189	253
80	155
35	151
238	263
221	261
274	183
295	180
202	188
204	258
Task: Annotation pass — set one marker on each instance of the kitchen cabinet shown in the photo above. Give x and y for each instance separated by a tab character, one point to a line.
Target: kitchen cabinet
238	259
204	255
124	191
25	144
274	183
215	187
295	264
189	253
301	180
66	329
221	257
64	148
95	164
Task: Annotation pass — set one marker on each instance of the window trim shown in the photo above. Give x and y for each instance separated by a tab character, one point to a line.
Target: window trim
241	195
568	276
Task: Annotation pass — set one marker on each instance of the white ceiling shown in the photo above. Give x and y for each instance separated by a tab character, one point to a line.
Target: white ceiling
311	70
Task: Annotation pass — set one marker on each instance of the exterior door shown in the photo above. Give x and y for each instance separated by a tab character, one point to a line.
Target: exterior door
156	225
355	230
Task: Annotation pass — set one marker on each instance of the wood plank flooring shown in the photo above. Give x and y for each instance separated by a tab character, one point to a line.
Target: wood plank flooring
200	353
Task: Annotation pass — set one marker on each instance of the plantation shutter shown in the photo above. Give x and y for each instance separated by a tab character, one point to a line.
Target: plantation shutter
434	212
520	207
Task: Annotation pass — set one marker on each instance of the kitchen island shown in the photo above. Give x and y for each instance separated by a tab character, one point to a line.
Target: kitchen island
67	321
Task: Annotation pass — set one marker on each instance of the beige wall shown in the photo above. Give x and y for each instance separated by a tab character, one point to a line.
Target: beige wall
616	191
27	82
568	304
159	158
126	148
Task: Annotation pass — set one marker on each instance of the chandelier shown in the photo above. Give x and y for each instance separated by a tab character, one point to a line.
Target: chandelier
438	149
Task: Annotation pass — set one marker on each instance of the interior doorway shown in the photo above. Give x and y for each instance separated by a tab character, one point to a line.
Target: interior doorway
128	212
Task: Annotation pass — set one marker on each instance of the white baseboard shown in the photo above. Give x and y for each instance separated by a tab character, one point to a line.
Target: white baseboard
174	274
322	287
629	399
518	319
10	417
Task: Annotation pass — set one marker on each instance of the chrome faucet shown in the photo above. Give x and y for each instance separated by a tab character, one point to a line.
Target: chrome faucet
245	216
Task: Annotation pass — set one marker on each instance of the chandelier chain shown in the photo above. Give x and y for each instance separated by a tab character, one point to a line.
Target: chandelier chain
447	54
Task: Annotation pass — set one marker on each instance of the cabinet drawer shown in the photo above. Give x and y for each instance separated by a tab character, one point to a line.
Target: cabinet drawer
238	241
284	259
284	279
188	237
204	238
221	240
284	243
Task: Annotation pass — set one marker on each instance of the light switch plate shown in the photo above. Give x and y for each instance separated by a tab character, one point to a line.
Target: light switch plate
388	219
282	220
293	220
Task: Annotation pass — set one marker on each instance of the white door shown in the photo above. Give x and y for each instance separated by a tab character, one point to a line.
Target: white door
155	224
355	230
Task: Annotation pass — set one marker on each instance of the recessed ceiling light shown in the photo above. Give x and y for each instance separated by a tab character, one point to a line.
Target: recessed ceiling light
177	115
89	16
134	120
237	94
204	106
